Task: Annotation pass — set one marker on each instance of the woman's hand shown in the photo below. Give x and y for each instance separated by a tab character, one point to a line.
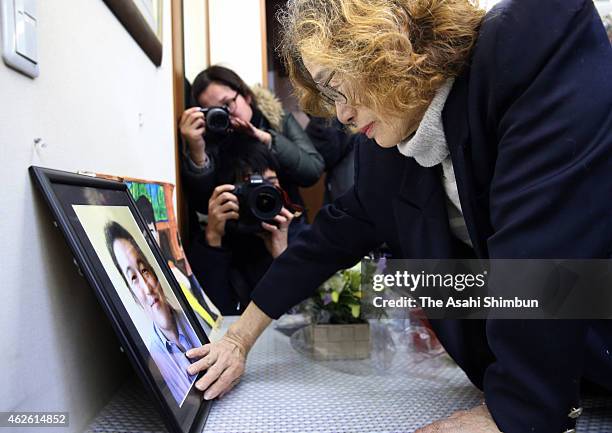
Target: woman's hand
476	420
249	129
222	206
275	237
224	361
193	127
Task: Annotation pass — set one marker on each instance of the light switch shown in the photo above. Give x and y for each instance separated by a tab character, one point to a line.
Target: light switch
25	29
19	25
25	35
27	6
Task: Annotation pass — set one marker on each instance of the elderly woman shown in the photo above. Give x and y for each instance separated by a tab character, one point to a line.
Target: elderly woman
493	136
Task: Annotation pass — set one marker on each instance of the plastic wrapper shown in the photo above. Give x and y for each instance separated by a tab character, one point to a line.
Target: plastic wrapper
394	346
422	336
339	324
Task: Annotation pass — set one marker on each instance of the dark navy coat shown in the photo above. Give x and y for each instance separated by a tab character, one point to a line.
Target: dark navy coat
529	128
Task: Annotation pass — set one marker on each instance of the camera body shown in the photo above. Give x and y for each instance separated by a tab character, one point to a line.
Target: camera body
217	119
259	201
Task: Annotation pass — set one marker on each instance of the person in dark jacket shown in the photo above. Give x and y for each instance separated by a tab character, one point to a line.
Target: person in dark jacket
256	114
228	262
336	145
491	138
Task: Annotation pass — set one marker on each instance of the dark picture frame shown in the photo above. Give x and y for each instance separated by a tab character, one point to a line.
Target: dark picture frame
67	194
149	39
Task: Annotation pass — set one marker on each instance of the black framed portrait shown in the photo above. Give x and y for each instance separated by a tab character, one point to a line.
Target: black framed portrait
118	256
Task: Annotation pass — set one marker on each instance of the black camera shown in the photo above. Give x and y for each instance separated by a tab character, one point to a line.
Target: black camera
217	119
259	201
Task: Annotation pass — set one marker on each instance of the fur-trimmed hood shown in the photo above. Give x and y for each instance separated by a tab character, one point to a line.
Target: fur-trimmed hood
270	106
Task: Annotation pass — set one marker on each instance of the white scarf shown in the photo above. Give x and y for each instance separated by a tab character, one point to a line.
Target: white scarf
429	148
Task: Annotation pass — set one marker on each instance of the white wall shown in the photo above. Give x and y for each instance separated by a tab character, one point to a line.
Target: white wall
604	7
235	37
487	4
195	32
58	350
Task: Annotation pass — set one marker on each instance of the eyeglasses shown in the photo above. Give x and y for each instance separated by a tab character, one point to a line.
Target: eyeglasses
329	94
231	103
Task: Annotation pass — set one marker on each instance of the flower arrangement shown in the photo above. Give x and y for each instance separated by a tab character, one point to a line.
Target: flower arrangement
339	299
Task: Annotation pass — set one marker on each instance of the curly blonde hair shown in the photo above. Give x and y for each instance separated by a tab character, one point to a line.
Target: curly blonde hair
392	54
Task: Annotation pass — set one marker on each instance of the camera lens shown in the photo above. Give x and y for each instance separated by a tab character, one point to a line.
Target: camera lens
265	202
217	120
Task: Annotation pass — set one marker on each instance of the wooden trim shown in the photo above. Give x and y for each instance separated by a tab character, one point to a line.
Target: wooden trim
178	90
207	24
128	14
264	43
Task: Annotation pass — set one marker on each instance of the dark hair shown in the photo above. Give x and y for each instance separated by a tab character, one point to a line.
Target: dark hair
243	156
221	75
113	231
145	207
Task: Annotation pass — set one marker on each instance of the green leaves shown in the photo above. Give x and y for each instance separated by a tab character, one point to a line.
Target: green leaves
338	300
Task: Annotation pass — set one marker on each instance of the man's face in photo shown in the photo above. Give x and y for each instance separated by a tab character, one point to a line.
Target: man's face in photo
143	283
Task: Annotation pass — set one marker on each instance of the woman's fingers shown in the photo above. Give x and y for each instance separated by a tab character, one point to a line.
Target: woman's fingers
193	121
195	117
280	219
269	227
224	365
192	124
226	381
231	215
225	197
210	377
287	217
198	352
283	219
221	208
188	114
243	125
228	206
287	214
221	189
202	364
198	124
237	123
220	377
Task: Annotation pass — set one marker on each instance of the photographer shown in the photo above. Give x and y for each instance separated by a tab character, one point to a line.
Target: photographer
231	255
254	114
